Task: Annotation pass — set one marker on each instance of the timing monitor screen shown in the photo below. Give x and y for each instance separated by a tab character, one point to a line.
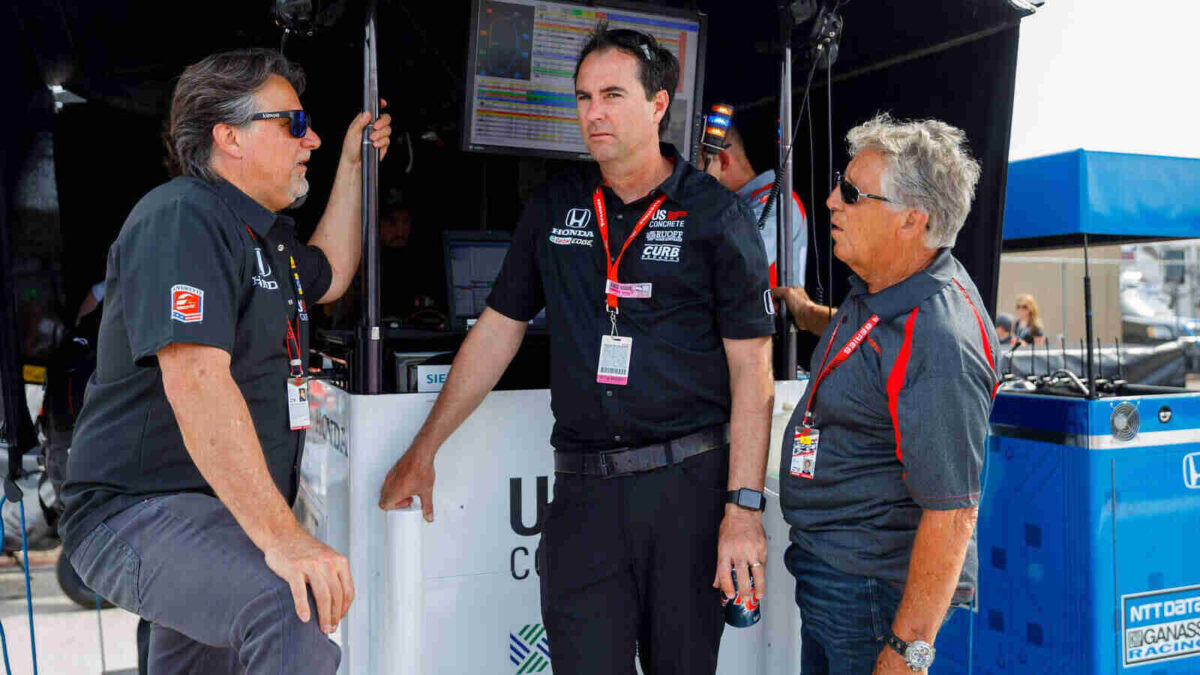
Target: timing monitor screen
473	261
521	67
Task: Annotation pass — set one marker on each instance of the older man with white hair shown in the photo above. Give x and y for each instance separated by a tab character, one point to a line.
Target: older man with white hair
880	474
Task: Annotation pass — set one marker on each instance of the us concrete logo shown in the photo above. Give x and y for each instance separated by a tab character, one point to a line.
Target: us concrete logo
528	649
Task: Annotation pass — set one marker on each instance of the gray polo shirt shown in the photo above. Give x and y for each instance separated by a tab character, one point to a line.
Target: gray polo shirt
903	424
197	263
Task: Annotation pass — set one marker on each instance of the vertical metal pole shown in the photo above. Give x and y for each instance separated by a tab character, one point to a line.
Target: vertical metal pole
1087	303
369	359
783	205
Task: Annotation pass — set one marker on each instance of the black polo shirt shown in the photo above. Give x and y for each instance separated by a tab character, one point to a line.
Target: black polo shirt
707	268
186	268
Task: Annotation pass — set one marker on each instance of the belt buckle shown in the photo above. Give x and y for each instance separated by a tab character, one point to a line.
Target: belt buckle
607	470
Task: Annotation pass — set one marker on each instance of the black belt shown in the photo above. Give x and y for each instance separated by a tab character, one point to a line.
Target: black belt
624	461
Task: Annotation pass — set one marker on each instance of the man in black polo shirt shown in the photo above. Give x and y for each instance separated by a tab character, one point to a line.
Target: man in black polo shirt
184	462
654	282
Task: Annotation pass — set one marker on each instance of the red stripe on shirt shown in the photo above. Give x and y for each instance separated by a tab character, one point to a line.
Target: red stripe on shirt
754	195
987	344
896	378
795	197
774	274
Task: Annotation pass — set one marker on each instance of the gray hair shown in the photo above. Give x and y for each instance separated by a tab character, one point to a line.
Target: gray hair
929	168
219	90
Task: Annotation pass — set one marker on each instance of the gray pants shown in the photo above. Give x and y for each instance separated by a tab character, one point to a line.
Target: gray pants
183	564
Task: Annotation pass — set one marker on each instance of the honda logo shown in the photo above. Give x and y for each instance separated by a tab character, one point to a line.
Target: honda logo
579	218
1191	471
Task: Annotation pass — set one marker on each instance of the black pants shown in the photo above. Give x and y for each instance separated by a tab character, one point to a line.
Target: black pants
629	562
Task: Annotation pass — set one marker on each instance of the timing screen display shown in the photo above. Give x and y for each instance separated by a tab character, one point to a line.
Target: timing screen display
523	89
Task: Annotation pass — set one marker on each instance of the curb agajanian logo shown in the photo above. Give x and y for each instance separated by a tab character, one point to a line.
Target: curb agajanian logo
528	649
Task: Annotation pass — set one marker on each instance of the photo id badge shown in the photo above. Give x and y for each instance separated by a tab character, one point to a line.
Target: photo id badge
297	394
614	360
804	452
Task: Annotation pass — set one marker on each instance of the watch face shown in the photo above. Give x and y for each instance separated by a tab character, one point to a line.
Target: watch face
919	655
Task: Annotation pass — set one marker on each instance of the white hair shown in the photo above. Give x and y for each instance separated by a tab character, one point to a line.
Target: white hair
929	168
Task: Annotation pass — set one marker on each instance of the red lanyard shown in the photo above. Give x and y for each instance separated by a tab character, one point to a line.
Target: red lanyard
602	225
295	363
845	353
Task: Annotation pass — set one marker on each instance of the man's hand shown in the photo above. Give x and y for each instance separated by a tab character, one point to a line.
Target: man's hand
742	546
304	562
891	663
806	314
411	475
381	133
796	299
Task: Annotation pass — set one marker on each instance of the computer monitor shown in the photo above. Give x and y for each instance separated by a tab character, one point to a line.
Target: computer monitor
473	261
521	64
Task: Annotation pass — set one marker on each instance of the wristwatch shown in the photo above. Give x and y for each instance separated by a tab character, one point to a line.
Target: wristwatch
918	654
747	499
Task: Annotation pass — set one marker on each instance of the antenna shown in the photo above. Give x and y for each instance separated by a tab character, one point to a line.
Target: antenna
1120	364
1033	360
1086	374
1048	366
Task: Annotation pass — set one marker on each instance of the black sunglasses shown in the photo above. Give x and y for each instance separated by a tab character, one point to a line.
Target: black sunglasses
850	193
298	118
634	39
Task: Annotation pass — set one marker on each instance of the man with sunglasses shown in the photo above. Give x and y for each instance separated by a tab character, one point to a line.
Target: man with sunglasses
881	460
184	462
654	282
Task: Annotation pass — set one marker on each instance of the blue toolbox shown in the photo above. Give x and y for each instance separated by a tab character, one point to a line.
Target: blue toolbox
1089	540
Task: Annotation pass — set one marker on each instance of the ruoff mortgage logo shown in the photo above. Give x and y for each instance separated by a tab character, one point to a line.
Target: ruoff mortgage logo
528	649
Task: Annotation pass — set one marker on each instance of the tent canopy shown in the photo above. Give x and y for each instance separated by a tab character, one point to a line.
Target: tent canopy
1054	200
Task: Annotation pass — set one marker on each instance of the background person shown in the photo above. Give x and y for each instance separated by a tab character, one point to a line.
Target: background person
1028	328
641	529
1004	328
732	168
183	467
882	526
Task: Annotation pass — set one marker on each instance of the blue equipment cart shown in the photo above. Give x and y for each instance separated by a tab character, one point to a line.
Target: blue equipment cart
1089	528
1089	540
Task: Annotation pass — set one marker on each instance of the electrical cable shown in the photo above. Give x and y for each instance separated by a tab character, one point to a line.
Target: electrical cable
829	124
3	638
773	197
812	205
28	589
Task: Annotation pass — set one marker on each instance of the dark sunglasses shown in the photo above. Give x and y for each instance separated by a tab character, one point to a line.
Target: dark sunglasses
635	40
298	118
851	194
